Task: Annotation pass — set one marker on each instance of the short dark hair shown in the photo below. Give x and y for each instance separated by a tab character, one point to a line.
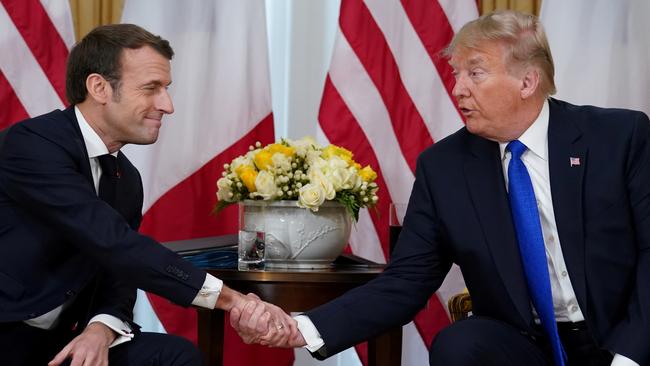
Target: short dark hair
100	52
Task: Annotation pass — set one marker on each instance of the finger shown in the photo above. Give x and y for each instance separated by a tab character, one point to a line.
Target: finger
61	356
255	297
255	317
247	313
263	324
78	359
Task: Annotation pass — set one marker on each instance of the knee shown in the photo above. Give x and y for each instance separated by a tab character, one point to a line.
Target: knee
447	348
458	344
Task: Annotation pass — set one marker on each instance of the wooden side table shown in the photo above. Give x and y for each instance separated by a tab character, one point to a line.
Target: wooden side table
295	290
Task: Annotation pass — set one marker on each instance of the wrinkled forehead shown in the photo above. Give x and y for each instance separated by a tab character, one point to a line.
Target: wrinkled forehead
478	54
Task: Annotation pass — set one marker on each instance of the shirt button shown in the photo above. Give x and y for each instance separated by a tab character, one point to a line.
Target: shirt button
564	273
573	308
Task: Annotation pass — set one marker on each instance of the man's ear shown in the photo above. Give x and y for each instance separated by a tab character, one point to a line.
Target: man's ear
529	82
98	88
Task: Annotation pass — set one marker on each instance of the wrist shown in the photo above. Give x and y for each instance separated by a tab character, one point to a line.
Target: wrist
228	298
109	334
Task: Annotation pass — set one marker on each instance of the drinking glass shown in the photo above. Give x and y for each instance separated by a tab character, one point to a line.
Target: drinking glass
395	219
252	238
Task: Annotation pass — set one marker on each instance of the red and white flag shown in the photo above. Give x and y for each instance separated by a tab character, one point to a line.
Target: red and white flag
222	102
387	97
35	37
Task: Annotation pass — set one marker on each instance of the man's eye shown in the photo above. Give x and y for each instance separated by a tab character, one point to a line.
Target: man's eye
476	73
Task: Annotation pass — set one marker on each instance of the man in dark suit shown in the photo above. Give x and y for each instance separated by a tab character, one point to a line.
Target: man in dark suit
585	177
70	261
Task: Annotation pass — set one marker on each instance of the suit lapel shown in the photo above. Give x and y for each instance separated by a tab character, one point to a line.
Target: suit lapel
567	164
484	175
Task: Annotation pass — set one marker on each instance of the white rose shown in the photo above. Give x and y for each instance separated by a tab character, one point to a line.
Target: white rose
265	184
311	196
224	193
313	159
281	161
239	161
304	145
317	177
335	162
340	178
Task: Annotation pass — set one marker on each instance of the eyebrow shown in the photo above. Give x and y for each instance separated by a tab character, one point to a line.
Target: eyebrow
155	83
477	60
474	61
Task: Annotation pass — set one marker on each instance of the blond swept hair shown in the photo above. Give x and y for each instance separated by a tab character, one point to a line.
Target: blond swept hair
522	34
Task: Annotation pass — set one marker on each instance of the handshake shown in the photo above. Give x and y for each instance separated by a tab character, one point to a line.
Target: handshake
262	323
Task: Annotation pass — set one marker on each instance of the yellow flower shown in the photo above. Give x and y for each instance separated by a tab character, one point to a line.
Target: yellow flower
263	159
280	148
247	174
343	153
367	174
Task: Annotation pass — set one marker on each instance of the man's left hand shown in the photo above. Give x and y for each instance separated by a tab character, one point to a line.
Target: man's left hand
88	348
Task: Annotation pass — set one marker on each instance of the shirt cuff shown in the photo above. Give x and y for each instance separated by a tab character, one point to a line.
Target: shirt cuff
309	333
123	329
620	360
209	292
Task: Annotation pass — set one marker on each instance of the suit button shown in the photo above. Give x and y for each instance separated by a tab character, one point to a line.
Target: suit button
69	293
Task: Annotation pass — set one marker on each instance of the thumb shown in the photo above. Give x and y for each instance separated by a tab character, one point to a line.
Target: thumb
235	314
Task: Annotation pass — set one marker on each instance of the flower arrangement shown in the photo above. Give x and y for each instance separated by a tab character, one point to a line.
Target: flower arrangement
300	170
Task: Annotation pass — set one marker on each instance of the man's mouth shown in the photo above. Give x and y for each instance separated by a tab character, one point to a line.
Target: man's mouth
465	111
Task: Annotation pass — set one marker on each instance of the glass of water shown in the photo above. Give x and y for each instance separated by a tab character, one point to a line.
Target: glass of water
252	238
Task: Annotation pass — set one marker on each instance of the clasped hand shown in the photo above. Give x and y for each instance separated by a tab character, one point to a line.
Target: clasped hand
259	322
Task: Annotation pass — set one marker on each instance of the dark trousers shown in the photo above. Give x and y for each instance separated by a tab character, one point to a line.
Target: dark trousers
485	341
21	344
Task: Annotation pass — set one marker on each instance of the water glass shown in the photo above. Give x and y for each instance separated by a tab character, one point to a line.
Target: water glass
252	238
396	214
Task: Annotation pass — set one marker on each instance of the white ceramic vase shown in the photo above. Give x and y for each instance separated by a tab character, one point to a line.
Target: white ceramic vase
297	237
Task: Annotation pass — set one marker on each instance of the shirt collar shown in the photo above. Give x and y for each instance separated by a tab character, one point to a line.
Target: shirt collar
535	137
94	144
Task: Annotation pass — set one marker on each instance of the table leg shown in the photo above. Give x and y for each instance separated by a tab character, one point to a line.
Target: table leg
210	329
386	349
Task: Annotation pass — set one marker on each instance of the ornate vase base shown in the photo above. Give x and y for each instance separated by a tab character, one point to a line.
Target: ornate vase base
297	264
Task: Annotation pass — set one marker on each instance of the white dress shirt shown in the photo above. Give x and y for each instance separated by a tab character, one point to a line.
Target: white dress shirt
535	159
207	296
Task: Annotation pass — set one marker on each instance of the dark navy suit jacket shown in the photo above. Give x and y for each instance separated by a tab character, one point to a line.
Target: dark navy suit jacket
58	239
459	213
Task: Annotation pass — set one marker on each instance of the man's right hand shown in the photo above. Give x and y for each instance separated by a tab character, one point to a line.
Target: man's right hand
265	324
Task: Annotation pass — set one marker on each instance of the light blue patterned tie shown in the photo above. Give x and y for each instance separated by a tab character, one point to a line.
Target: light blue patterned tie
531	245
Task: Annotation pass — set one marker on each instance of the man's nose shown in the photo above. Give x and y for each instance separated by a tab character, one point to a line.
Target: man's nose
164	102
460	89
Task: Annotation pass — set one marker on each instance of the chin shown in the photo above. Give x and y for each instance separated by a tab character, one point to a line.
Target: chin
473	126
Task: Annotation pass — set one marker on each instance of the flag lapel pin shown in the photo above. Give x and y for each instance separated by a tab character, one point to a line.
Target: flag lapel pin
574	162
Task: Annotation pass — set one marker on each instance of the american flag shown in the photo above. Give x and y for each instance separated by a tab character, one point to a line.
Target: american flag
574	161
387	96
35	37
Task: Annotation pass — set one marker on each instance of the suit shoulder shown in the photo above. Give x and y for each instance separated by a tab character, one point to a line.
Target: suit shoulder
590	117
453	144
56	126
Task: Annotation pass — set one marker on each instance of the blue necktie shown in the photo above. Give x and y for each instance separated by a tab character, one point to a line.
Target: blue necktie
531	245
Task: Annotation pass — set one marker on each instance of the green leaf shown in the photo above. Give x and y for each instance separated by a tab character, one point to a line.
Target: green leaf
220	206
351	203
